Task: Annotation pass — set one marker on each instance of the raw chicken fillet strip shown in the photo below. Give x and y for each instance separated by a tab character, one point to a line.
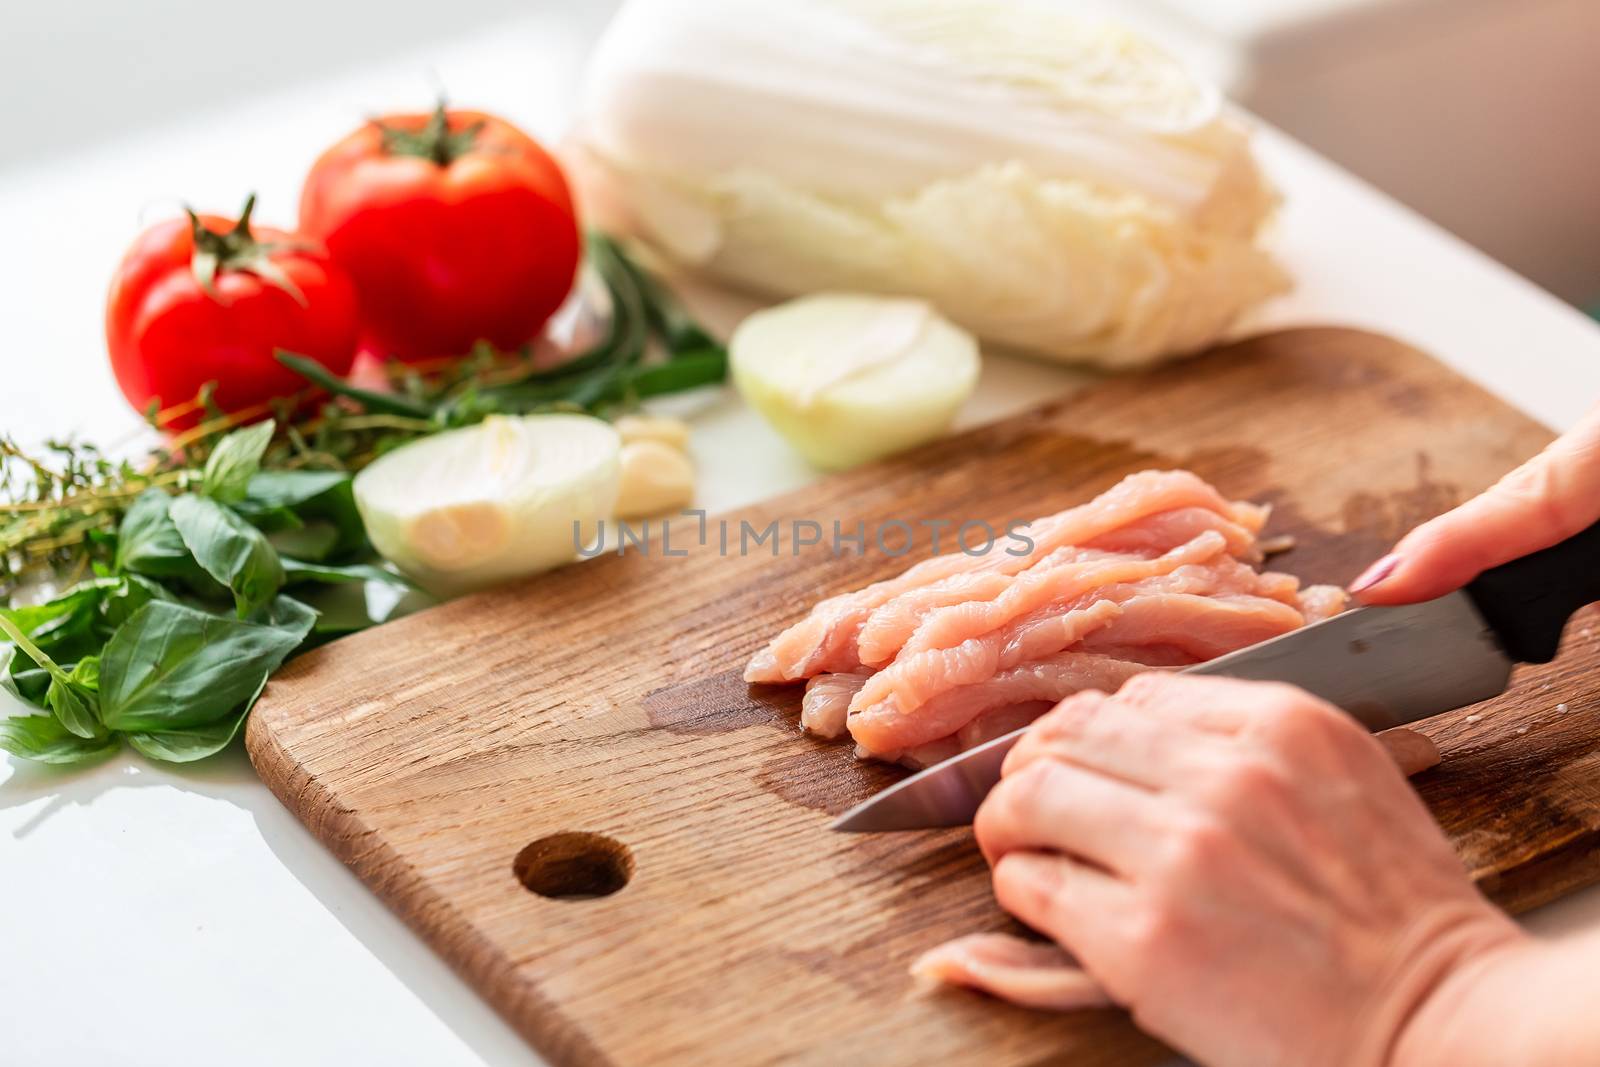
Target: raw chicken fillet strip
1158	571
825	640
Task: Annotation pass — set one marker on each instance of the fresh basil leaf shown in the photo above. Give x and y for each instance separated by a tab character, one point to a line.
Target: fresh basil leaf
196	742
323	504
271	490
341	609
8	659
29	683
171	667
130	594
42	738
37	620
10	677
26	646
76	706
148	542
86	672
287	613
298	570
271	521
234	461
338	507
312	541
63	628
230	549
186	746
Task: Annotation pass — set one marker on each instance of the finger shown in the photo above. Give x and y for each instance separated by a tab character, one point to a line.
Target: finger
1129	741
1082	909
1038	738
1207	703
1061	807
1414	752
1547	499
1278	718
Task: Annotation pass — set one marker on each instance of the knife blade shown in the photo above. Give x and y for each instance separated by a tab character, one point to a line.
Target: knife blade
1384	666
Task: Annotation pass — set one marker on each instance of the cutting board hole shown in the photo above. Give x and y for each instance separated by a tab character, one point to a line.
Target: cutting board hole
574	866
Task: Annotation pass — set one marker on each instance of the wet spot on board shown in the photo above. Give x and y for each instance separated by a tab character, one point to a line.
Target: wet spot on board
929	885
721	702
943	861
1081	467
1227	467
1407	398
880	960
1368	526
826	776
864	968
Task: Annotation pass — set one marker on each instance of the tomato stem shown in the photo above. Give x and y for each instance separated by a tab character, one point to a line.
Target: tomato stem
434	140
238	250
242	227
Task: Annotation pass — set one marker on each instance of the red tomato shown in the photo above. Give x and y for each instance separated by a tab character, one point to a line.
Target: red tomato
456	226
207	299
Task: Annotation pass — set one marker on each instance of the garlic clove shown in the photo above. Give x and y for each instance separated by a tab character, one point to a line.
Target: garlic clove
656	478
668	431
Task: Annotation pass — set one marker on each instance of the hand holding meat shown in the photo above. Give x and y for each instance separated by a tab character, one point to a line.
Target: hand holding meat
1239	864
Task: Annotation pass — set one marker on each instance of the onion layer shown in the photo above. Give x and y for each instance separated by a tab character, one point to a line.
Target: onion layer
847	378
508	497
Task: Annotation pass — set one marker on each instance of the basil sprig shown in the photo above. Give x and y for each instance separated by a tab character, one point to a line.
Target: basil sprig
168	647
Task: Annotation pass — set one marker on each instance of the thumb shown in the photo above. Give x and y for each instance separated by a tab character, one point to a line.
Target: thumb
1547	499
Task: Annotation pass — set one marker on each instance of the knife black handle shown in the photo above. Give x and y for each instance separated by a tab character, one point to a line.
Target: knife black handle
1528	601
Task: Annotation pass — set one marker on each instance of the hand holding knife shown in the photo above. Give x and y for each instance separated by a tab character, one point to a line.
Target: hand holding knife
1385	666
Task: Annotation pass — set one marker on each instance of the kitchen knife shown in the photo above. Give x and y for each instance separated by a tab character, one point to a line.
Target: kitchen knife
1385	666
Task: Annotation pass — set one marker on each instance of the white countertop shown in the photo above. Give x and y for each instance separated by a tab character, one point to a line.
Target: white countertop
172	918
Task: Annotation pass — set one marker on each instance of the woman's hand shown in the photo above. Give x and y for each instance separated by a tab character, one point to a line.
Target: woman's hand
1547	499
1239	864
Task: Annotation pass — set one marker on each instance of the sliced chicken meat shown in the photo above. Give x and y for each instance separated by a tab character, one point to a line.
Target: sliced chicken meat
1035	974
1156	572
827	700
825	639
884	731
888	626
961	644
1199	626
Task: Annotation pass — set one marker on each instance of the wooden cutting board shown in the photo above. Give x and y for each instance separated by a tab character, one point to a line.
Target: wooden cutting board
590	728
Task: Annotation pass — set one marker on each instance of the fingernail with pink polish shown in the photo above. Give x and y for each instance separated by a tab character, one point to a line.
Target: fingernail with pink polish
1375	573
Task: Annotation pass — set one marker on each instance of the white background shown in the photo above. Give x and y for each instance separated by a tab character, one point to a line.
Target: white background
156	917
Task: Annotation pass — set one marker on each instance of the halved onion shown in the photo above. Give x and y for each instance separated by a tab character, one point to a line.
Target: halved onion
847	378
473	507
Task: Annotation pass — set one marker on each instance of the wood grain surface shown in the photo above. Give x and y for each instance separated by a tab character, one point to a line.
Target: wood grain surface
605	698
